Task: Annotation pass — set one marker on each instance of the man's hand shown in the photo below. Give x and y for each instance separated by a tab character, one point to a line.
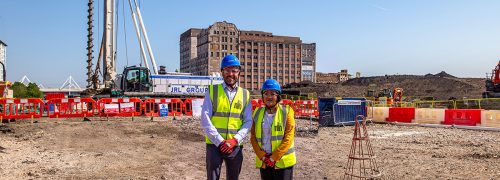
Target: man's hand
227	146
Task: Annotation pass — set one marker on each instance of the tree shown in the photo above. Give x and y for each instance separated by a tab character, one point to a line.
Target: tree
20	90
23	91
33	91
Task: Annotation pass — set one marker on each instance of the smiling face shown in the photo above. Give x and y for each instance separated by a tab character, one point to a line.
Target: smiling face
231	75
270	98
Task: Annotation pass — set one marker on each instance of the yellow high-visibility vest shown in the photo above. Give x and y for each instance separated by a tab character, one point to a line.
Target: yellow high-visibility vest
227	117
277	134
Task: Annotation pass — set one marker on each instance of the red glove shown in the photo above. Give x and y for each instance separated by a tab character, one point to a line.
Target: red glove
222	146
269	161
227	146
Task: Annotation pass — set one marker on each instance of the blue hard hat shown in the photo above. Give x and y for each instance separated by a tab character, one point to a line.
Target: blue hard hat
271	84
229	60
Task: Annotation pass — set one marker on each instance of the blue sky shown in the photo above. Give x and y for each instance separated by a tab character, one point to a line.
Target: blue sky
47	39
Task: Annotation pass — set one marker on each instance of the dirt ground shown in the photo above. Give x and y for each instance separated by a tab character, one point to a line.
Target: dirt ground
174	149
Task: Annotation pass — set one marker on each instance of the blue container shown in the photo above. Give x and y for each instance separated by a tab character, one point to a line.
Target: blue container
325	109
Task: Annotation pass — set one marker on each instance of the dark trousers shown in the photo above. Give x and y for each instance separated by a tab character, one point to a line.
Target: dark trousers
274	174
215	159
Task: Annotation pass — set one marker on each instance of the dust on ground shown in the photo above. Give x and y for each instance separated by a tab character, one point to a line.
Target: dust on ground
163	148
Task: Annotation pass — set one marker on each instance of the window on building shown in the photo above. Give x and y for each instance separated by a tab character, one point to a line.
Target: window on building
255	57
242	49
262	71
261	57
268	71
211	54
262	51
255	64
268	64
268	57
217	53
255	76
255	70
248	77
249	63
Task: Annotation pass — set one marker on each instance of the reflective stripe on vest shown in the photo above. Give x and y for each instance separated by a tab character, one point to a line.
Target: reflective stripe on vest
227	117
277	135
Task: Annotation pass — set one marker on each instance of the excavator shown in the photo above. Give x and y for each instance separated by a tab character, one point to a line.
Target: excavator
397	94
493	83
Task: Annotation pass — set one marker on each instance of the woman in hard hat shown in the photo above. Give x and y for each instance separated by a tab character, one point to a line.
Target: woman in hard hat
273	135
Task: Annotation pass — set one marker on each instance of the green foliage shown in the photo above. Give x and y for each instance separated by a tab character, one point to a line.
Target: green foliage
23	91
19	89
33	91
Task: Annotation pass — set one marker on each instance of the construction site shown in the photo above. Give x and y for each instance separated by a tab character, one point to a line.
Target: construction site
146	122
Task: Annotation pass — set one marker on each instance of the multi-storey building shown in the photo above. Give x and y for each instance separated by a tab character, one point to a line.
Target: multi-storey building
3	57
309	62
262	54
188	45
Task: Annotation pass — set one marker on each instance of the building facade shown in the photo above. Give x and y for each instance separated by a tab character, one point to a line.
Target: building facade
338	77
309	62
3	57
262	54
188	44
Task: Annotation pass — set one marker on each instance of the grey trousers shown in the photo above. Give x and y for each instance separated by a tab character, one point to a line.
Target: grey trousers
215	159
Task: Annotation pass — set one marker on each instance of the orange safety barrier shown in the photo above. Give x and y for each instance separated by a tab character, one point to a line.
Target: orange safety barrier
256	103
466	117
287	102
151	107
306	108
21	108
401	114
188	107
175	107
119	107
71	107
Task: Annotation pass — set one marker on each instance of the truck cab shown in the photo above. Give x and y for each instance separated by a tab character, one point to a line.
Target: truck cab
133	79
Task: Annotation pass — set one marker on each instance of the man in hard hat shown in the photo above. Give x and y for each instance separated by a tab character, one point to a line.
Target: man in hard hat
226	118
273	135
